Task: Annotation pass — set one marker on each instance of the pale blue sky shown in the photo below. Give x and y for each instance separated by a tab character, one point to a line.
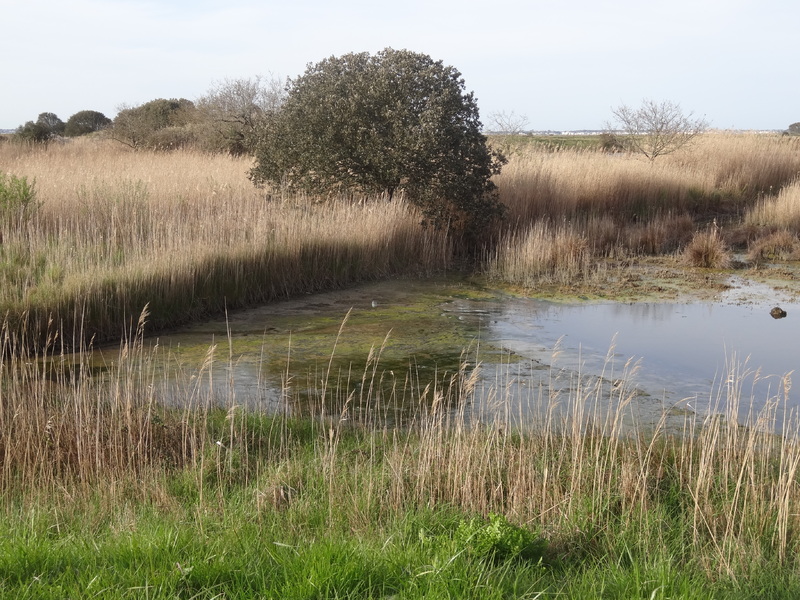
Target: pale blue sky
562	63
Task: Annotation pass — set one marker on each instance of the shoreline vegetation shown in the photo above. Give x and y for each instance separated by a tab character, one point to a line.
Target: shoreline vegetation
187	234
108	491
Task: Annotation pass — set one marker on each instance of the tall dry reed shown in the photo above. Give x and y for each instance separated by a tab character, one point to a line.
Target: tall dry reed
543	253
781	211
721	173
186	233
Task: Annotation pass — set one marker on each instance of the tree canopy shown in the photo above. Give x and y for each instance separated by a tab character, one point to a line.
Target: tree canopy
147	125
397	122
794	129
233	110
46	127
86	121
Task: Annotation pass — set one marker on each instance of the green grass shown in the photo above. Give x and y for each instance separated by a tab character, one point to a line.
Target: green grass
216	531
515	143
232	555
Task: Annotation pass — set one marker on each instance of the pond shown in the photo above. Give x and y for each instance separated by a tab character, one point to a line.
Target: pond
386	342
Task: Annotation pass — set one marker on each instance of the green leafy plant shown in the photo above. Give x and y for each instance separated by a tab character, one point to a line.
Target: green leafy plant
159	124
17	199
497	539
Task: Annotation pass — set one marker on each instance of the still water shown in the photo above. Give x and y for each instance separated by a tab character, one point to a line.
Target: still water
675	356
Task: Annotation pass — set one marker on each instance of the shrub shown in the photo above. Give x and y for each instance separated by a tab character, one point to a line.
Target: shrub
86	121
707	250
17	199
46	127
140	126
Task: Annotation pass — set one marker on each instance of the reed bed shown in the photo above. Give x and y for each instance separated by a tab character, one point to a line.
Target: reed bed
781	211
570	209
185	233
543	253
719	174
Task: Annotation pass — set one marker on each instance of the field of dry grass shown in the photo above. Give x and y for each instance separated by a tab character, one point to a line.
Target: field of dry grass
623	205
185	233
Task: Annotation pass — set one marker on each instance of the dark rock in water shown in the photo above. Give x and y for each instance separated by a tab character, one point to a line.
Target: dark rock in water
777	313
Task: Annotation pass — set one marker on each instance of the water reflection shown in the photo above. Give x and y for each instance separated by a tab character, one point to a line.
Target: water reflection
401	336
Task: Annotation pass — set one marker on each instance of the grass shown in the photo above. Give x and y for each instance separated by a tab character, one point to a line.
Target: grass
542	253
779	210
707	250
189	236
719	175
622	206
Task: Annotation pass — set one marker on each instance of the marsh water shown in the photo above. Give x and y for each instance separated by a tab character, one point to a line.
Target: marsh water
387	341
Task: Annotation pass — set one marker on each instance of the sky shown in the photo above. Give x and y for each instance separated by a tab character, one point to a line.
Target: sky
560	64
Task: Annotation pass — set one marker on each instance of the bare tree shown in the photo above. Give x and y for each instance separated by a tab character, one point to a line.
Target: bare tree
508	123
505	126
236	107
655	128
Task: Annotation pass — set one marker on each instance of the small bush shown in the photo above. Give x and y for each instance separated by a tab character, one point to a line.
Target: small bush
17	199
707	250
498	539
779	245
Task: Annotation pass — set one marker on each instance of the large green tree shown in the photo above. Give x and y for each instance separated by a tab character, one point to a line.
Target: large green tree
86	121
397	122
794	129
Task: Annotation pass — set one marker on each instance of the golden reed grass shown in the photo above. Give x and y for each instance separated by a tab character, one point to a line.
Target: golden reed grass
707	250
186	233
717	173
781	211
620	204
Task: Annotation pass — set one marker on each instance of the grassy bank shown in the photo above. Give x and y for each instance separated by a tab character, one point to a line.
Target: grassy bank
105	491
